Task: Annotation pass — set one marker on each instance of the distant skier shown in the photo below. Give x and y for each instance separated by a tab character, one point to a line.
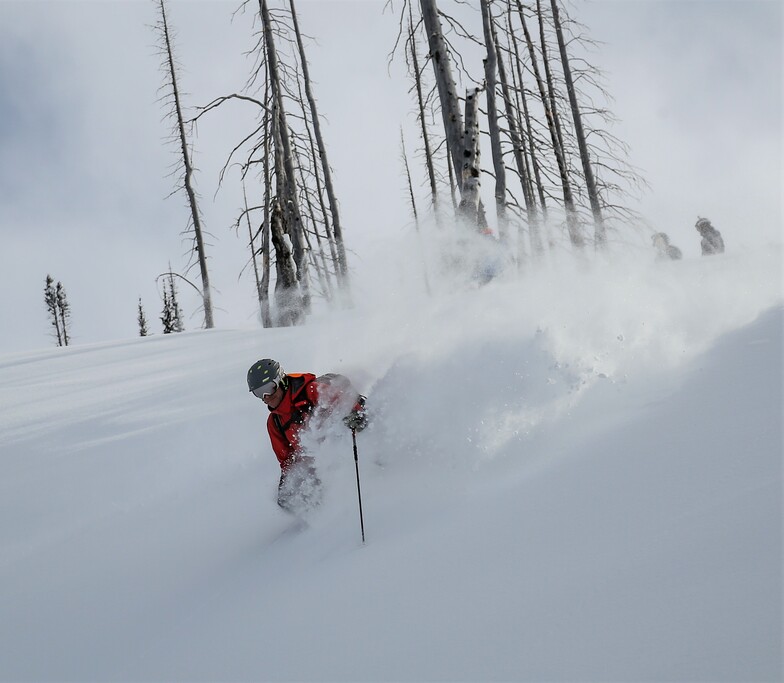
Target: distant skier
712	242
296	402
664	250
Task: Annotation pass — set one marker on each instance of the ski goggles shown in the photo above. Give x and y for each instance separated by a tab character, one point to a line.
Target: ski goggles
266	390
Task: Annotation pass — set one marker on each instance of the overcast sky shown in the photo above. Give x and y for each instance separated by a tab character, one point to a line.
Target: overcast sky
83	159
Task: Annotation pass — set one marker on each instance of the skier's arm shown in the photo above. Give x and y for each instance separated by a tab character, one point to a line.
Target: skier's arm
282	448
333	392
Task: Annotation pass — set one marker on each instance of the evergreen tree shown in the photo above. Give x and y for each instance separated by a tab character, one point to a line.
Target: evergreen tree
171	316
166	313
64	311
176	314
143	332
59	309
50	298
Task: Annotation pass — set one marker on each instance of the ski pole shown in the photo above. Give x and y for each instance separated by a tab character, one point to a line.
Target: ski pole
359	490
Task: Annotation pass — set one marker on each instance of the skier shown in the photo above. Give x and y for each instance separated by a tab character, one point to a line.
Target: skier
665	250
295	402
712	242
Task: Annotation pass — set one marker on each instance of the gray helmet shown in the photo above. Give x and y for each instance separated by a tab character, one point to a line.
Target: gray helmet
264	371
702	224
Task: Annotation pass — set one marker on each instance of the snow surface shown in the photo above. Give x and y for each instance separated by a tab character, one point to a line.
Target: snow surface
574	475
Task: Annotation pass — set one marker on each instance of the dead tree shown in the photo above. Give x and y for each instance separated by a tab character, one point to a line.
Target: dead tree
447	90
287	152
518	83
318	258
337	227
287	300
284	170
173	92
319	214
414	211
548	98
260	294
560	155
270	146
420	98
600	235
491	64
518	122
470	203
266	317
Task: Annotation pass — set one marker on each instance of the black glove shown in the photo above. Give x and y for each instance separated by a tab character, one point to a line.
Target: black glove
357	419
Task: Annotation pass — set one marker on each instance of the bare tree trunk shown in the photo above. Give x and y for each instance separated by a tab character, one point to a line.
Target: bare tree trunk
548	101
447	91
452	181
322	205
492	65
266	316
252	244
322	255
600	235
469	208
518	145
285	172
414	210
287	300
521	159
520	88
188	177
549	81
333	203
288	297
431	173
322	272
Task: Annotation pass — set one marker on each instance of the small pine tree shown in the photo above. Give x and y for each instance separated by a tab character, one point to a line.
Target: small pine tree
171	315
176	314
142	320
64	310
166	313
50	298
59	309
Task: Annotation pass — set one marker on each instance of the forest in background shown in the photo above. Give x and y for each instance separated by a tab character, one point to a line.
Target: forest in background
381	116
514	145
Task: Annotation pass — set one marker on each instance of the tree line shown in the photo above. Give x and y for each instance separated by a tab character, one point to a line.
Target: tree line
292	220
517	78
556	167
59	310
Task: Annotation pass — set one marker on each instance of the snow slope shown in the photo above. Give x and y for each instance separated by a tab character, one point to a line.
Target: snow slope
572	476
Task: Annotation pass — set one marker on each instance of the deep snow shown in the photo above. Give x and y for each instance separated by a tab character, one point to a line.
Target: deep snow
572	476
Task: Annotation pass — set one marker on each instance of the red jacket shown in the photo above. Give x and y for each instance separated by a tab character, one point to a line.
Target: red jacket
304	394
287	420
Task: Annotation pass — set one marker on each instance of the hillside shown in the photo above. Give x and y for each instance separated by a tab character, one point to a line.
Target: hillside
568	477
